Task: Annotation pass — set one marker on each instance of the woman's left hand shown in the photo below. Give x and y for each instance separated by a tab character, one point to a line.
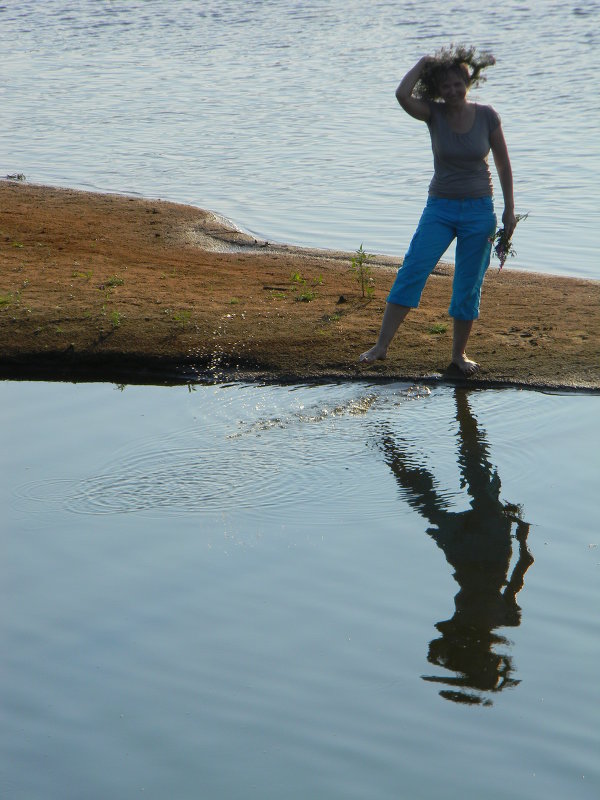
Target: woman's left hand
509	221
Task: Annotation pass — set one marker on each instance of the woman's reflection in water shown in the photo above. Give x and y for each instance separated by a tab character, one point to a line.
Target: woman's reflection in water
477	543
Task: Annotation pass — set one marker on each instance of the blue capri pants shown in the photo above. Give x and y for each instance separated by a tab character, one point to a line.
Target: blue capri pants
472	222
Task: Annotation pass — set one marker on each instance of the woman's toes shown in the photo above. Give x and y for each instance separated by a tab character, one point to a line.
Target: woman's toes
374	354
465	365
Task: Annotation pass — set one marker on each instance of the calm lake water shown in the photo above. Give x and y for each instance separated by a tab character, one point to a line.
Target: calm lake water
281	114
341	591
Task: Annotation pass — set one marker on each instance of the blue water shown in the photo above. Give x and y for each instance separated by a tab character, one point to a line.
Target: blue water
264	592
281	115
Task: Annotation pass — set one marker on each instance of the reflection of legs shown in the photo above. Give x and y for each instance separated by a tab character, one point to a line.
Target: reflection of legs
431	240
477	473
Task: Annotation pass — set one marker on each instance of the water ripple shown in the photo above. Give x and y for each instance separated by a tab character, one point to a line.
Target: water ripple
265	460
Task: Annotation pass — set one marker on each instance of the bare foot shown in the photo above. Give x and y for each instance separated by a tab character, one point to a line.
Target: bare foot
376	353
465	365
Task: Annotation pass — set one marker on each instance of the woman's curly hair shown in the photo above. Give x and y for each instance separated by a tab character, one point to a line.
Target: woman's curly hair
464	60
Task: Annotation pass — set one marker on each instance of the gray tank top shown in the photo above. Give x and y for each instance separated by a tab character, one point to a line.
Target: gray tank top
460	160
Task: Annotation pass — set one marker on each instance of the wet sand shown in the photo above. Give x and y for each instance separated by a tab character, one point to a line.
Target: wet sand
107	287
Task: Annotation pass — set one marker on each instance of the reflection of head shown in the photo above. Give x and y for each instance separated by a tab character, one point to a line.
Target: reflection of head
468	651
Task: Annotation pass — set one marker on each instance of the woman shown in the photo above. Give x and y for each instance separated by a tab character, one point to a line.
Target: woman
460	197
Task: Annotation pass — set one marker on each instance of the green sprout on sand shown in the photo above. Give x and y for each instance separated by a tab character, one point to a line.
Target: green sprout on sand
362	271
308	293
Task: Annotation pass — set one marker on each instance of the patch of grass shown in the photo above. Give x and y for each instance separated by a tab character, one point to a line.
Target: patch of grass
79	274
438	328
115	318
306	296
299	282
114	281
234	301
278	295
181	317
8	299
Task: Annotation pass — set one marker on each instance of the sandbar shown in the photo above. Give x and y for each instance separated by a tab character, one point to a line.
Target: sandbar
110	287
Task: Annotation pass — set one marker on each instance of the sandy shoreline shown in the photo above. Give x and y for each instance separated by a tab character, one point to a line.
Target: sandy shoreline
107	287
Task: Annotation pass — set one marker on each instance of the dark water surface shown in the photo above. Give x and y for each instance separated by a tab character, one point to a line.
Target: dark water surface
333	592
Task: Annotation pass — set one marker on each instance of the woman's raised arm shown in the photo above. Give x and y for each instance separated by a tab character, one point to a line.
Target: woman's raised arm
418	109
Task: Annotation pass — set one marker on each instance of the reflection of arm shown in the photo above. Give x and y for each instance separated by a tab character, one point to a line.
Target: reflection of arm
525	560
417	483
